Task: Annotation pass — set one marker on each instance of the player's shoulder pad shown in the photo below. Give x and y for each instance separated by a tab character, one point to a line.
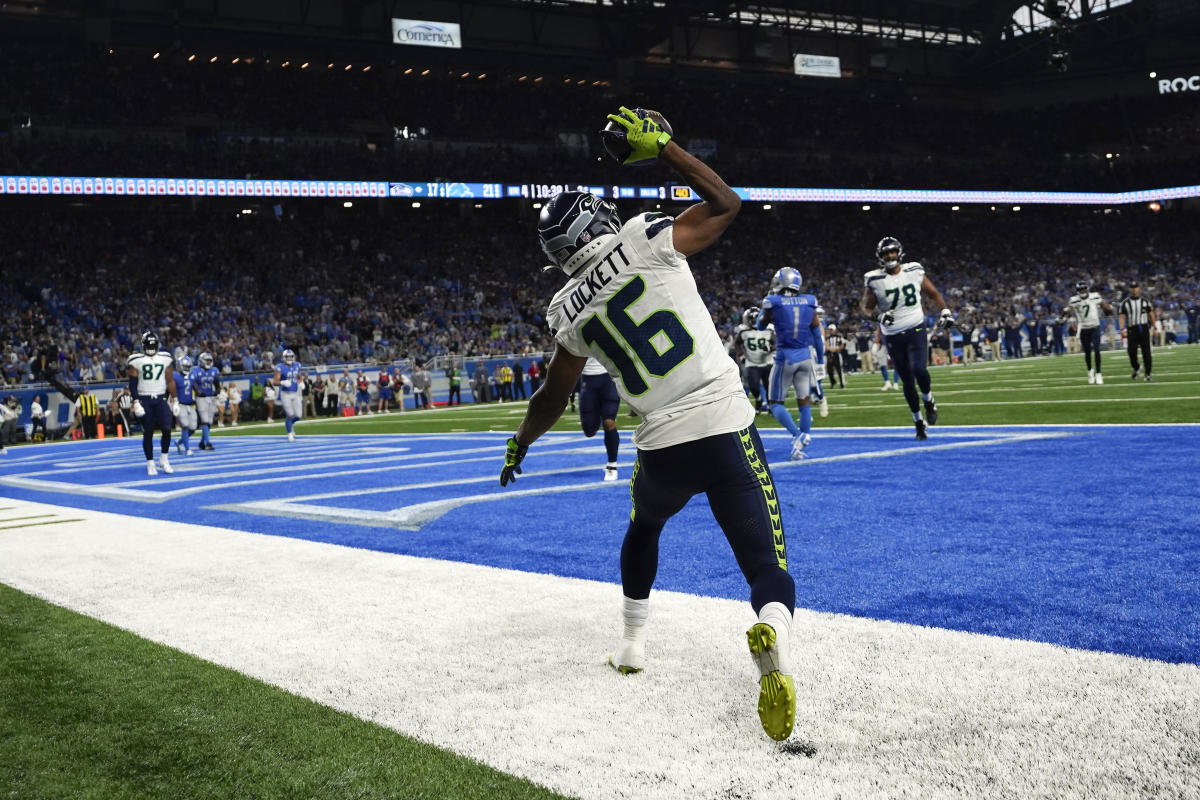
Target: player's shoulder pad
654	222
912	266
768	301
873	275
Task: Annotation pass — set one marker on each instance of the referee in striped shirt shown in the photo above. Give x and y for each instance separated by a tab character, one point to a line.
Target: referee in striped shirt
1137	318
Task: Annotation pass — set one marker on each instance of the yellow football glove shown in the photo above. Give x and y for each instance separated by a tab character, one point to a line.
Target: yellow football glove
514	454
645	136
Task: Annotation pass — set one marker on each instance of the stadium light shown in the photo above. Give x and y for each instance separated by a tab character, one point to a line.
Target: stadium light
482	75
192	57
156	55
537	205
347	68
1153	74
538	79
367	68
329	65
1016	208
304	65
416	204
212	60
954	208
866	208
424	72
408	71
284	64
465	75
523	77
348	204
236	59
767	206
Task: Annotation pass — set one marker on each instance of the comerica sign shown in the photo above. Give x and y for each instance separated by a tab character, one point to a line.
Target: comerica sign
1172	85
425	33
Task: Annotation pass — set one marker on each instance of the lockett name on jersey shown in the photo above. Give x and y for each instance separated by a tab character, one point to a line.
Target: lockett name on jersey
593	282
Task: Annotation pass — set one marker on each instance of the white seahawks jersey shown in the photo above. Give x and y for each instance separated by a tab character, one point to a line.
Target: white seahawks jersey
594	367
152	371
634	307
1087	309
899	293
758	346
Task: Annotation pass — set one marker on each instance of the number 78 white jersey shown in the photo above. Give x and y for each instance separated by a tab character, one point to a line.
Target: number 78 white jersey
899	293
152	371
635	308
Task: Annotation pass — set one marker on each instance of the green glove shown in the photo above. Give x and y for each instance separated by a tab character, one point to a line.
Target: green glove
645	136
514	454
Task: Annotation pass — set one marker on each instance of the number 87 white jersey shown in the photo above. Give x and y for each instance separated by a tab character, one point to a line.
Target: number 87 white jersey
635	308
899	293
151	371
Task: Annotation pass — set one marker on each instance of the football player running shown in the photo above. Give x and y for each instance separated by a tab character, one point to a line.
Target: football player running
206	383
798	348
185	409
152	383
287	378
631	302
894	291
599	403
756	349
1086	305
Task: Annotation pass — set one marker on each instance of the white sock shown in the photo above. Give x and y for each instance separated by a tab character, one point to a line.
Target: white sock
929	397
780	619
634	613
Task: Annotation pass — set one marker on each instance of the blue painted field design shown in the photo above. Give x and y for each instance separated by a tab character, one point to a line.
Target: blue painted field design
1081	536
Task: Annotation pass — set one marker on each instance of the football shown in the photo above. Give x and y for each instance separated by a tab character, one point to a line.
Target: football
613	136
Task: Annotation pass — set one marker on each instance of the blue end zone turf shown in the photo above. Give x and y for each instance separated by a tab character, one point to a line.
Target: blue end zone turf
1081	536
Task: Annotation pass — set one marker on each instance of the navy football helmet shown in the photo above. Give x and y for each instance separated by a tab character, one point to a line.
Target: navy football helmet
572	221
787	281
149	342
1082	288
889	252
750	317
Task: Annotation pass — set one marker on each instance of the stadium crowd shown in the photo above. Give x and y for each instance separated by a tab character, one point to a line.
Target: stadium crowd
360	286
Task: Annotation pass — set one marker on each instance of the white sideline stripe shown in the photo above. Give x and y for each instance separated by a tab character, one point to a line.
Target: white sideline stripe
957	403
510	670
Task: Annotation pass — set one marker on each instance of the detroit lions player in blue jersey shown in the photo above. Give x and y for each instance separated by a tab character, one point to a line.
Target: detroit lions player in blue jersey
206	382
797	341
287	378
185	410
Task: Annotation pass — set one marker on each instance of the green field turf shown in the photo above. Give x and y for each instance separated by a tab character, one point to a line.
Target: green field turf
1046	390
91	711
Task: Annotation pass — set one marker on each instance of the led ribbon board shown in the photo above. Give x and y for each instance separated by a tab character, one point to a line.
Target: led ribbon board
207	187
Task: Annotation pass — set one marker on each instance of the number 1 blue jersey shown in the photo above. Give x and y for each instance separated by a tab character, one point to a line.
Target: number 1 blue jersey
794	317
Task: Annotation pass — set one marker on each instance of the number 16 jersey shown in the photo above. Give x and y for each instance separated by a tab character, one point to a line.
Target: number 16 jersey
634	307
899	293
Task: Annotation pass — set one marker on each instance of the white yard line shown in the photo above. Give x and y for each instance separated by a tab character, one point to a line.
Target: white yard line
509	668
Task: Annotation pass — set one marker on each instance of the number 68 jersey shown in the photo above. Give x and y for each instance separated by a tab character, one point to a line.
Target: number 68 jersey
151	371
634	307
900	293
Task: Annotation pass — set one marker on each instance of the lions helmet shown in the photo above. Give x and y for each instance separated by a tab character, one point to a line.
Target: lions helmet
889	252
184	363
571	225
1082	288
288	357
750	317
149	342
786	280
206	360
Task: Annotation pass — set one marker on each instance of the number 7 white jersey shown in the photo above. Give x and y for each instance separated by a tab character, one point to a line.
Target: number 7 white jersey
1087	309
899	293
634	307
152	371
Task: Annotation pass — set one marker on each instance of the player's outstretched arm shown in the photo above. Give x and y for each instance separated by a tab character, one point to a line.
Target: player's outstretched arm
930	291
548	402
703	223
869	302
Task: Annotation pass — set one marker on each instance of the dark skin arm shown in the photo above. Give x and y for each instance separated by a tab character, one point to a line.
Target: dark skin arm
548	402
869	302
930	291
703	223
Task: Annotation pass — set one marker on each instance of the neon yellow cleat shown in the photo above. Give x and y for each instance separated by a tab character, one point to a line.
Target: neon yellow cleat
624	669
777	692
